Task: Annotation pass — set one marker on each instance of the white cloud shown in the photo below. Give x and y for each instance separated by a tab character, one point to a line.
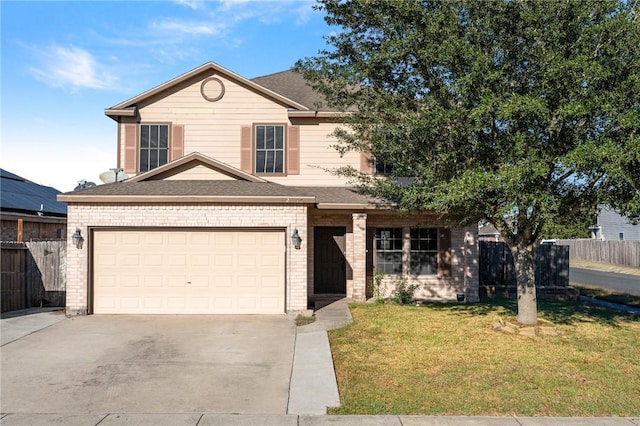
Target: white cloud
71	67
195	28
192	4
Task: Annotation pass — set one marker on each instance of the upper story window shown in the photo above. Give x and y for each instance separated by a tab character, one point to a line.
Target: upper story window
382	169
154	146
269	149
424	251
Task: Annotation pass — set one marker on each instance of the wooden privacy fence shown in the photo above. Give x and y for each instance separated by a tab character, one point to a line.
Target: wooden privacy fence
551	263
33	274
619	252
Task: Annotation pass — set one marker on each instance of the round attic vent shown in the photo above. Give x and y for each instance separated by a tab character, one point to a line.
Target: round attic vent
212	89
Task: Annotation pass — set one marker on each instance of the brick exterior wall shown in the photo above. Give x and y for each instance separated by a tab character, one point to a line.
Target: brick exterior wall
464	250
464	272
299	263
87	216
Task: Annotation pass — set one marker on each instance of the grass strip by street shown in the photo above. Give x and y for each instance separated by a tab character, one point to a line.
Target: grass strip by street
446	359
613	296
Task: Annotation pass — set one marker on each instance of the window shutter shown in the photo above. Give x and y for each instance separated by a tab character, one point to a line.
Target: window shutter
177	142
130	148
444	252
366	163
246	150
293	150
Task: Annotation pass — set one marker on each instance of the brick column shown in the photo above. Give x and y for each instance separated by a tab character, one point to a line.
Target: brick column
359	257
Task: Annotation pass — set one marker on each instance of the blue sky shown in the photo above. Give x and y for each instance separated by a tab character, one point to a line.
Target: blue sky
64	62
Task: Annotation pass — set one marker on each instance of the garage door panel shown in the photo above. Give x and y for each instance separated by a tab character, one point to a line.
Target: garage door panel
248	260
200	260
130	281
151	281
105	260
189	272
130	239
152	260
223	260
176	281
150	302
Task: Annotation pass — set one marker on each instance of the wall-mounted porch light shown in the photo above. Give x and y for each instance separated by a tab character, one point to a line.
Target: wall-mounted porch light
296	240
77	239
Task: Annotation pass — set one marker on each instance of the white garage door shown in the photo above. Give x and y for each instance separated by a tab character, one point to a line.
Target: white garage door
188	272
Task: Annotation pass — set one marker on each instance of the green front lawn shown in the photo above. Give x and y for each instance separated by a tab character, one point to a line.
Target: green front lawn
443	359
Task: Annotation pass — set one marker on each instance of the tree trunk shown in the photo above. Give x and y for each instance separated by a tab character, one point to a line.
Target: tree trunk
526	284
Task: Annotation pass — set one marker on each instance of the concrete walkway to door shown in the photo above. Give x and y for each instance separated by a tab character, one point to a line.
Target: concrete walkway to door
313	378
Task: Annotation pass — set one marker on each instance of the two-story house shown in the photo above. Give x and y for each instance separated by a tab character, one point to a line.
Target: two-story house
231	207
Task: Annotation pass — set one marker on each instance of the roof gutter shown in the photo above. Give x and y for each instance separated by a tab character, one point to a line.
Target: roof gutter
182	199
314	114
121	112
344	206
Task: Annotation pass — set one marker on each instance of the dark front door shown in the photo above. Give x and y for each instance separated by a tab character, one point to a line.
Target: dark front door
330	264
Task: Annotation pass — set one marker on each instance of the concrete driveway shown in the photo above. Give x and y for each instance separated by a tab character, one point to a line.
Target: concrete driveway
151	364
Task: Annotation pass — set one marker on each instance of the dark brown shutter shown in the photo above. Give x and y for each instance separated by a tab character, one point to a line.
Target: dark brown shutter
366	163
371	232
444	252
293	150
130	148
177	142
246	150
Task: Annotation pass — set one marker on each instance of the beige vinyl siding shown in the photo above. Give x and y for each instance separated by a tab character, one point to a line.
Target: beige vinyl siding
316	156
199	173
213	129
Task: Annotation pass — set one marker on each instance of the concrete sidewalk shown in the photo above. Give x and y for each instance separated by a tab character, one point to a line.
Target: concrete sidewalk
205	419
17	324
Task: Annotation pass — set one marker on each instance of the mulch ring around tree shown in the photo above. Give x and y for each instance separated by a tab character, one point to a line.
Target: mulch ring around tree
542	328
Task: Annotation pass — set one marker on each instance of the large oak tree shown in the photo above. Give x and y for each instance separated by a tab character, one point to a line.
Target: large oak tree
523	114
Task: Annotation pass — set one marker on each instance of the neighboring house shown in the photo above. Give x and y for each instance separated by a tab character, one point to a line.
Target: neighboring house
30	211
610	225
224	171
488	232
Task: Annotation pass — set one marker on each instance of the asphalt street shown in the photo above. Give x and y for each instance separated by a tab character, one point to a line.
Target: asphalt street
619	282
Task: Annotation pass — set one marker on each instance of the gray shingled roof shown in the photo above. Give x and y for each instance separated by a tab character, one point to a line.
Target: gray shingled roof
221	188
338	195
226	188
292	85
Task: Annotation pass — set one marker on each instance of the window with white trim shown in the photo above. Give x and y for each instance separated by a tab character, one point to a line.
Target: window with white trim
424	251
388	244
269	149
154	146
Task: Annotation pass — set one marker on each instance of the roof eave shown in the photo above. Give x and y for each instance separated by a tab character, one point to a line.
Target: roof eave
352	206
181	199
315	114
121	112
216	68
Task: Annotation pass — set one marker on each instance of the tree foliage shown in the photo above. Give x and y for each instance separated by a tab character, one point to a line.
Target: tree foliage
524	114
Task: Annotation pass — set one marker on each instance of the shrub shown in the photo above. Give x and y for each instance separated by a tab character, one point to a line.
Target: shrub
378	288
403	293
